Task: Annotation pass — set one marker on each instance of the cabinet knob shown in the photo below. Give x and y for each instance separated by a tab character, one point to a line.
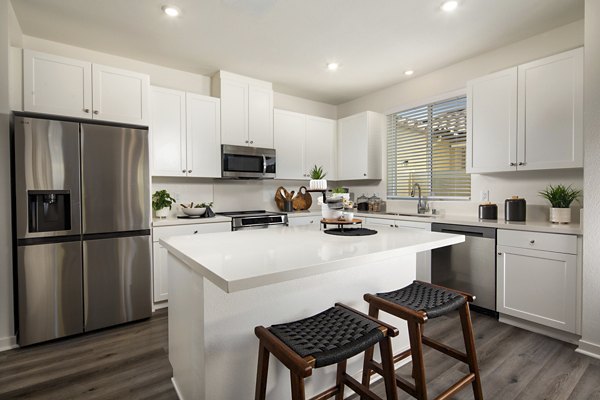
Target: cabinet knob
252	141
532	242
87	110
195	232
96	112
189	171
364	174
183	170
246	141
312	222
522	163
499	254
512	164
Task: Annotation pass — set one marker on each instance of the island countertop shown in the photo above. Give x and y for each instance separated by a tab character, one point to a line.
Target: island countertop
248	259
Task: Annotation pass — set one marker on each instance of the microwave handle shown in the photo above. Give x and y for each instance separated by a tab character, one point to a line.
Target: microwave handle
264	164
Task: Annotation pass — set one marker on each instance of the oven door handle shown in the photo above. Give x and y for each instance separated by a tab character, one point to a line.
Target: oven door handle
264	164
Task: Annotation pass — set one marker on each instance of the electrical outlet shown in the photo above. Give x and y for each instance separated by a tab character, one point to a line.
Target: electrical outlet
484	195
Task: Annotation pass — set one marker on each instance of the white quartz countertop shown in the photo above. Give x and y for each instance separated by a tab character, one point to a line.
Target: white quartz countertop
185	221
252	258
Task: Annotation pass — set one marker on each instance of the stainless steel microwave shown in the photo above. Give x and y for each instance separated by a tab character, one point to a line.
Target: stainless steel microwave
244	162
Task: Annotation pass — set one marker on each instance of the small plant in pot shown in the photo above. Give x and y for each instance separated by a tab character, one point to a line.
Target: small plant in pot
560	198
161	203
317	180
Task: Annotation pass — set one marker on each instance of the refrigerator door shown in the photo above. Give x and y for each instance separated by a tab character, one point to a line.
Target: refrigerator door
115	179
117	283
46	172
50	299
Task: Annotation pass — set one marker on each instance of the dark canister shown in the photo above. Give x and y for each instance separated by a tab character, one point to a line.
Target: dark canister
515	209
488	211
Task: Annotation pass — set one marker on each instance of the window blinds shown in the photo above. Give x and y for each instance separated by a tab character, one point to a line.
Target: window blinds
427	145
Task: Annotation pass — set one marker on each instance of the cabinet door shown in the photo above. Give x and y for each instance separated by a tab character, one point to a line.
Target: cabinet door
168	128
260	117
538	286
551	112
234	112
305	220
289	134
56	85
119	95
321	145
161	274
492	122
203	136
353	147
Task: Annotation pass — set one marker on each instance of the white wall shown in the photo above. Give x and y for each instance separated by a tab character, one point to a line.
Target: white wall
6	299
590	341
291	103
453	78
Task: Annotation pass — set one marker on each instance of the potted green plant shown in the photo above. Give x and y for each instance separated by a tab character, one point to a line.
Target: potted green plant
560	198
161	203
317	178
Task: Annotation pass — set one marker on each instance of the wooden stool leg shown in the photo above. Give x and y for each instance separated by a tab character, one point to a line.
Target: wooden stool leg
416	349
387	364
262	372
339	380
467	328
366	372
297	387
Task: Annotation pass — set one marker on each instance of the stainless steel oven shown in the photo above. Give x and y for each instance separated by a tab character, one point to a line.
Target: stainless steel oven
244	162
256	219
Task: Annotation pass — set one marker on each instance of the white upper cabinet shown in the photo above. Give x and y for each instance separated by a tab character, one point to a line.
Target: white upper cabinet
551	112
120	95
56	85
246	110
64	86
203	136
492	122
359	146
528	117
185	134
303	141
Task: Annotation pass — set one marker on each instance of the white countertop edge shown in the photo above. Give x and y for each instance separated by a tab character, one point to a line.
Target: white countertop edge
159	222
309	270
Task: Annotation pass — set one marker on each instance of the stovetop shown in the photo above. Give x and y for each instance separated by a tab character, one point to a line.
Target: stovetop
248	213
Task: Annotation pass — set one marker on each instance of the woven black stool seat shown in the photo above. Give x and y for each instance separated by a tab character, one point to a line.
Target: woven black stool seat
420	296
331	336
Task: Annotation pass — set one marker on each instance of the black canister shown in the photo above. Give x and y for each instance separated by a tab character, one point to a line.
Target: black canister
488	211
515	209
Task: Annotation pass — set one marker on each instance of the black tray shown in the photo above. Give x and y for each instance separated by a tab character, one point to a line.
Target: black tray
350	231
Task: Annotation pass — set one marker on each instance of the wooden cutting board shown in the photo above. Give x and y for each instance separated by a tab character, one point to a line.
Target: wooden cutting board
303	199
279	198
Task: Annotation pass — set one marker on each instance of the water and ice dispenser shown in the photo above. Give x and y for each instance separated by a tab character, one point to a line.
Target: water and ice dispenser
49	210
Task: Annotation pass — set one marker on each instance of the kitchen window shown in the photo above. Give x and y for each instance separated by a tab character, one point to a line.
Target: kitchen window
427	145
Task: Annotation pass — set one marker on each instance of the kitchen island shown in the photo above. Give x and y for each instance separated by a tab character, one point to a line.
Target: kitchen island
222	285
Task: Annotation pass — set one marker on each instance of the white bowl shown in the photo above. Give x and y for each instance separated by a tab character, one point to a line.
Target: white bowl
328	213
194	211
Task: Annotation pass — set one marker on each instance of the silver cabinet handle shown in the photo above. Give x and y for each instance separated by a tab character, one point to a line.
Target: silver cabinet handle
512	164
87	110
96	112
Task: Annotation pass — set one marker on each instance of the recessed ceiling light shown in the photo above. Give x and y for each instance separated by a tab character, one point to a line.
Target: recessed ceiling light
450	5
332	66
409	72
171	11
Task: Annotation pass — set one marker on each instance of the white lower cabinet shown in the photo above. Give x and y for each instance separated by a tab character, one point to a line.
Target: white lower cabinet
537	278
313	220
160	274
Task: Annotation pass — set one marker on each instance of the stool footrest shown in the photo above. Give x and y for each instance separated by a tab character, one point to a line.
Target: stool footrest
456	387
401	356
359	388
332	391
442	348
406	386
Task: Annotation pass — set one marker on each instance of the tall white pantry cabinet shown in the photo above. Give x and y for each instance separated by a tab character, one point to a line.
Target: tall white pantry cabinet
528	117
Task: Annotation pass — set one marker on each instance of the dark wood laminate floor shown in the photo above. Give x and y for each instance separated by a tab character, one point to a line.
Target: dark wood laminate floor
131	362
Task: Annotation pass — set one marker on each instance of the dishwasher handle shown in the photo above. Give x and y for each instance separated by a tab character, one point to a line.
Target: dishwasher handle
467	230
457	232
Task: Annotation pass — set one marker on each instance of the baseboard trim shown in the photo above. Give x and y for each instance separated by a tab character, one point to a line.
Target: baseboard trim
589	349
176	388
8	343
161	305
541	329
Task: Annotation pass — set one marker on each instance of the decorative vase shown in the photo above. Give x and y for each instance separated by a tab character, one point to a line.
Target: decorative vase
163	212
317	184
560	215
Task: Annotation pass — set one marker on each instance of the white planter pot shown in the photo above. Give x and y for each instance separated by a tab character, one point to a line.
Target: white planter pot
560	215
163	212
317	184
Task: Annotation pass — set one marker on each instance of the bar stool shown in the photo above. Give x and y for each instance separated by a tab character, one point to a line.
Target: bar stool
330	337
416	303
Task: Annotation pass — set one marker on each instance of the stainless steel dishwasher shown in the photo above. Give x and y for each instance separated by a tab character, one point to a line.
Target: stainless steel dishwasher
468	266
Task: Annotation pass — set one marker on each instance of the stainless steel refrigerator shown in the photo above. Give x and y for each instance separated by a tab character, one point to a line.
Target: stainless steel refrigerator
81	225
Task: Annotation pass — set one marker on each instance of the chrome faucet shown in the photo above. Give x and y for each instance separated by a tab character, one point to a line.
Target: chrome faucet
422	206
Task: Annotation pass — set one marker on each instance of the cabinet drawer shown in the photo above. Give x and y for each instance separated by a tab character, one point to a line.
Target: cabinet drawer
189	229
538	241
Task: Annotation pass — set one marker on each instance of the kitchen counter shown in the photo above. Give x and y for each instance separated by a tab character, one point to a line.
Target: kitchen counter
222	285
156	222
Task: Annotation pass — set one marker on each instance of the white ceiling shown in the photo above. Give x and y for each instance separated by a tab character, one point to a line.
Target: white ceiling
289	42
